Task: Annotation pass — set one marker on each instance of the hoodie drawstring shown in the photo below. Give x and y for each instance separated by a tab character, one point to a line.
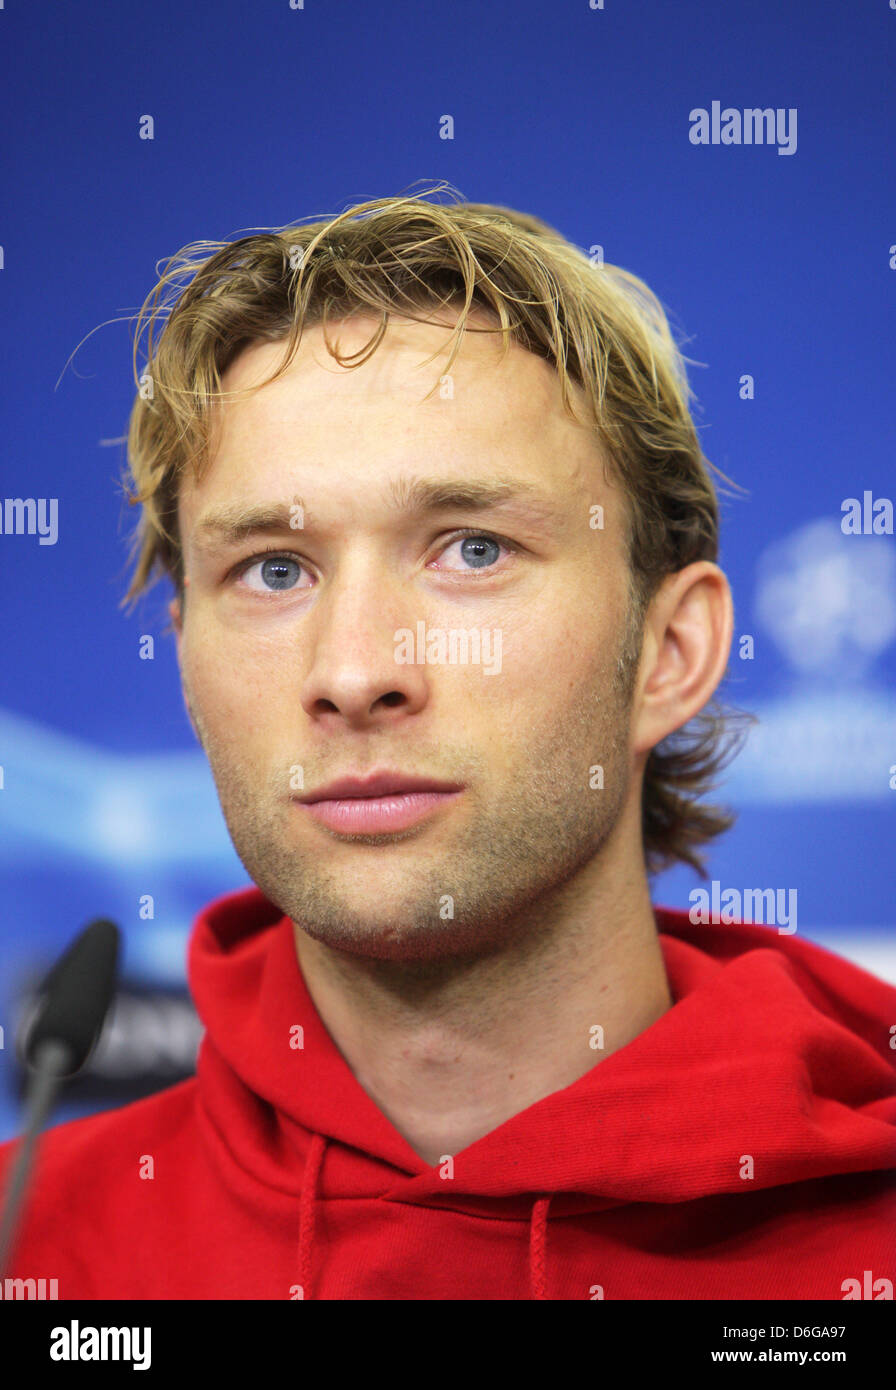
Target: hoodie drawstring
306	1210
538	1241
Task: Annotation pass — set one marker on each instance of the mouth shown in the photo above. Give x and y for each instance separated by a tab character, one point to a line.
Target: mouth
372	815
382	802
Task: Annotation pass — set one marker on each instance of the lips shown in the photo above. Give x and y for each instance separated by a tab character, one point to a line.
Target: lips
380	804
377	784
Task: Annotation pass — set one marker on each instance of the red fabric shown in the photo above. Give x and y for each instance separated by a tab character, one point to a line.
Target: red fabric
275	1176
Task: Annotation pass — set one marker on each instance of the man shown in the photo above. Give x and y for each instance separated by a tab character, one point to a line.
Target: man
452	655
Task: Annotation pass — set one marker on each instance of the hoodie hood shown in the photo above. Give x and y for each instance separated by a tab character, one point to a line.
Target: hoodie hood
776	1053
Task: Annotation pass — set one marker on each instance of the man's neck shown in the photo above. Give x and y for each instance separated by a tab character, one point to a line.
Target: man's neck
450	1050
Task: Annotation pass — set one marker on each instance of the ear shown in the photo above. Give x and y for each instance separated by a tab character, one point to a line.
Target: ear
687	642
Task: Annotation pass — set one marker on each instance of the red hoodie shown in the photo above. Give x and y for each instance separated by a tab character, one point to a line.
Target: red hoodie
743	1146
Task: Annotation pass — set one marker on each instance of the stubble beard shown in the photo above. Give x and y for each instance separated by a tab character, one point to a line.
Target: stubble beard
472	891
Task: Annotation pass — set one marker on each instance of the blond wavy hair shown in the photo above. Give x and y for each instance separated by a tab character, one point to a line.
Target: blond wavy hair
598	325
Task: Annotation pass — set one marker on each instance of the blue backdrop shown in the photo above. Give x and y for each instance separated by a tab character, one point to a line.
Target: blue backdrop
776	259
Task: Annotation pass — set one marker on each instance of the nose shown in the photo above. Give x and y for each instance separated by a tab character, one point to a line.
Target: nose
354	676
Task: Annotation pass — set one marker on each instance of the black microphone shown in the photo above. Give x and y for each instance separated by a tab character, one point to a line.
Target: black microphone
62	1031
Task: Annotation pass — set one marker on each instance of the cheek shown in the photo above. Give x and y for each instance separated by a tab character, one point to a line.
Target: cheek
554	657
550	671
222	684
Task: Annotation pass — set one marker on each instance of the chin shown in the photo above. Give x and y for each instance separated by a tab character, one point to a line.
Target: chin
432	941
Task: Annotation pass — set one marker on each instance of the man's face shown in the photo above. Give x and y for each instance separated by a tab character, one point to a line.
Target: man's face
290	666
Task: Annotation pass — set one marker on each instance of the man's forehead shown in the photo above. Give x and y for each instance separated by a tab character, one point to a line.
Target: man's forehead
476	428
410	359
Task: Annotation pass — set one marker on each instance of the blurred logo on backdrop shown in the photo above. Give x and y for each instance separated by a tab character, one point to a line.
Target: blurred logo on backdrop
827	603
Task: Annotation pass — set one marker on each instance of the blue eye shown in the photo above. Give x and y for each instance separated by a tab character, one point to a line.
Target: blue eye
478	548
473	546
275	571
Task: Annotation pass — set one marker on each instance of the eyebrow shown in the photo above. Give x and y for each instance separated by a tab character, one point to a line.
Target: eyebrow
235	523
